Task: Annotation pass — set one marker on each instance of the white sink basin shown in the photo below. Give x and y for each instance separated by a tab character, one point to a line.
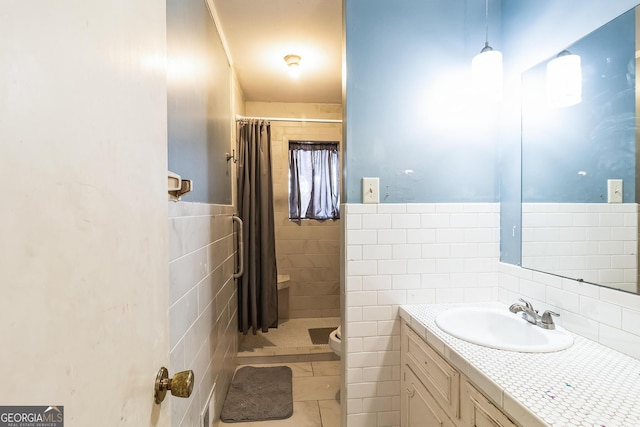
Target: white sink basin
501	329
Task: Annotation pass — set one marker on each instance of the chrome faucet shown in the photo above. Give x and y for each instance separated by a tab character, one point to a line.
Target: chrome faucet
528	313
531	315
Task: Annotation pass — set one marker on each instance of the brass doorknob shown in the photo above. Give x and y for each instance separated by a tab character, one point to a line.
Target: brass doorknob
180	385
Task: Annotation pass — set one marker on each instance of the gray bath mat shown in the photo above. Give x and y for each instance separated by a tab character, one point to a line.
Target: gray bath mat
259	394
320	335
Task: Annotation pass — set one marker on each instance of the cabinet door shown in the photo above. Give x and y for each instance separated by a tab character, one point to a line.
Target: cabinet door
478	411
441	379
419	409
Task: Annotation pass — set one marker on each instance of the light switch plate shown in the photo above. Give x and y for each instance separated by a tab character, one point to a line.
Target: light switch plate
614	190
370	190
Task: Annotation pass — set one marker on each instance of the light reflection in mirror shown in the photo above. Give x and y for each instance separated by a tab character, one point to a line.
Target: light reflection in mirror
568	156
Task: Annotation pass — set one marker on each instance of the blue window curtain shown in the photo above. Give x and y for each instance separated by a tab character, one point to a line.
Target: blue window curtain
314	180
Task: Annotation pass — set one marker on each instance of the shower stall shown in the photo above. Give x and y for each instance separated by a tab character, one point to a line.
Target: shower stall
307	284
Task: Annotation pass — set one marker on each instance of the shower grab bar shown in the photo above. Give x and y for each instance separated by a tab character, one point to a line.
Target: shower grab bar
240	246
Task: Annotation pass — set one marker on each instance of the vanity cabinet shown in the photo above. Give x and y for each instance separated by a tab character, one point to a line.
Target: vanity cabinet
477	410
419	408
434	393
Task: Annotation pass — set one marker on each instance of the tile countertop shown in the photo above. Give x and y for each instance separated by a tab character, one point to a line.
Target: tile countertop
587	384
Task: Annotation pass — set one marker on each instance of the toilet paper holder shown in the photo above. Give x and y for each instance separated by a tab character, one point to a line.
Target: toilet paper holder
177	186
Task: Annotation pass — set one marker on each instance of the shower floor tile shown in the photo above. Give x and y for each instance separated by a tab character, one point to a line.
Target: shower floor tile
291	338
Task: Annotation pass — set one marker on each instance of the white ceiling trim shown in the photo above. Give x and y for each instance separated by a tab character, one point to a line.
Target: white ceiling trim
218	24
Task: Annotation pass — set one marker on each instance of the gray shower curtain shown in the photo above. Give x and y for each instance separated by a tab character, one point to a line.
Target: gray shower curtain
257	288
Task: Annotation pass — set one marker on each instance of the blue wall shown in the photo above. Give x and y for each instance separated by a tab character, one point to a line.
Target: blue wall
568	154
198	102
533	31
409	117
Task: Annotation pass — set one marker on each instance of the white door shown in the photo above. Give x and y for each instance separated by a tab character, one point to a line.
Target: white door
83	210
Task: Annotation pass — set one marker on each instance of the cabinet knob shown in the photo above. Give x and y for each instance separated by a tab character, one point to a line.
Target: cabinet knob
411	392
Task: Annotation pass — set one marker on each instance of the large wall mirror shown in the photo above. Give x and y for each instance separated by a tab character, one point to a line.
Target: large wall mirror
579	160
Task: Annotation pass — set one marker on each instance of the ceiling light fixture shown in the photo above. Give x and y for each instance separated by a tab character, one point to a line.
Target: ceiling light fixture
293	63
486	68
564	80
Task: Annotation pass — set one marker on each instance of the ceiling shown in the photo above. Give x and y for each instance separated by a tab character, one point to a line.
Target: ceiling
259	33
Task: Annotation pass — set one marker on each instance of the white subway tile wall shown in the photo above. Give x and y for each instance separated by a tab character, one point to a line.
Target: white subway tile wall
406	254
457	261
592	241
601	314
203	306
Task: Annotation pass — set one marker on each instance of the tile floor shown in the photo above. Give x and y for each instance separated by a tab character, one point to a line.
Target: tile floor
316	396
289	342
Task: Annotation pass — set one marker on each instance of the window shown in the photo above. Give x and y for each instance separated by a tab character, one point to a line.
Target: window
314	180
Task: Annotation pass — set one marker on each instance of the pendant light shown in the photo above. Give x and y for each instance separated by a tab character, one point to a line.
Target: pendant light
486	68
564	80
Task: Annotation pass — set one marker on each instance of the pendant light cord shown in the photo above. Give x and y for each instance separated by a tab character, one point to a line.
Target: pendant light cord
486	21
486	47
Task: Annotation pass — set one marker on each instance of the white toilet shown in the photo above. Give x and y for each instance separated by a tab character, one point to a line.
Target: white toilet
335	341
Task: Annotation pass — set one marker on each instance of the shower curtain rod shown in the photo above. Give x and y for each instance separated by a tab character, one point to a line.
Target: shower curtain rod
290	119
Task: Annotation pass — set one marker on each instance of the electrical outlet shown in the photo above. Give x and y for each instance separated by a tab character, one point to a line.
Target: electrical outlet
370	190
614	190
